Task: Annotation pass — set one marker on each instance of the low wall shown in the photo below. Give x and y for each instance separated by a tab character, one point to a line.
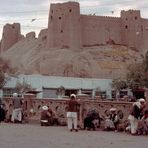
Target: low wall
60	107
32	107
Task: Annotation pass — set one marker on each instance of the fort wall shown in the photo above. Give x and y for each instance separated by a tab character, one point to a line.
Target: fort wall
98	30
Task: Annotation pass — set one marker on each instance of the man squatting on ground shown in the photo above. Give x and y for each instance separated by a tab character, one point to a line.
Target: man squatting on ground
135	115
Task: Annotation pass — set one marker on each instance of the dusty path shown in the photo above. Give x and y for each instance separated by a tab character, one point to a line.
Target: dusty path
35	136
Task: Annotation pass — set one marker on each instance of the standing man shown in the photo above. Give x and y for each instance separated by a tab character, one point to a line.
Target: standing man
72	114
17	111
135	115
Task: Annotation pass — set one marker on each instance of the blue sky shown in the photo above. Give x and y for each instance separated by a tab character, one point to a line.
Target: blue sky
33	14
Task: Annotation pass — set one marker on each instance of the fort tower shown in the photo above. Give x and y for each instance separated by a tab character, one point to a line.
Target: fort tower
64	26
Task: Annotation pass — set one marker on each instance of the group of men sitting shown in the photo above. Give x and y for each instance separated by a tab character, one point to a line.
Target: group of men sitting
136	124
93	120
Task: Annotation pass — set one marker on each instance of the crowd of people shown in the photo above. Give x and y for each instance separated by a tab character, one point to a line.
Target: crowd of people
137	120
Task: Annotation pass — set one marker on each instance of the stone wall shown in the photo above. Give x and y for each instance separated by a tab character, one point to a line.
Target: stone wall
60	107
32	107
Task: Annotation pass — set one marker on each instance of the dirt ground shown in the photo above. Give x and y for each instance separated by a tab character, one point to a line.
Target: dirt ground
35	136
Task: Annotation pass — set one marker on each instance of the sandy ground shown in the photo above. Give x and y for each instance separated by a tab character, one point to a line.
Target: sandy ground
35	136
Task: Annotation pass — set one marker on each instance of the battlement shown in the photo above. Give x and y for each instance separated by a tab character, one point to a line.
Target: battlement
102	18
130	13
62	8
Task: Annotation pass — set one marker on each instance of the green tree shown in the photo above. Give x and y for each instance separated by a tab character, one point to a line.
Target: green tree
119	84
137	75
4	68
2	79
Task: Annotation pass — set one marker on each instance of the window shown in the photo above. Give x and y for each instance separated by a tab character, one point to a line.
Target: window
126	27
87	92
103	94
68	92
8	92
136	17
70	10
49	93
51	17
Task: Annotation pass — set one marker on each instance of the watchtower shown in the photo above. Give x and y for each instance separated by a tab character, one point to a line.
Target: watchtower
64	28
132	31
11	35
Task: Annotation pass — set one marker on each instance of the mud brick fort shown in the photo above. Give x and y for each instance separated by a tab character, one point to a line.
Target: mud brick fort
68	28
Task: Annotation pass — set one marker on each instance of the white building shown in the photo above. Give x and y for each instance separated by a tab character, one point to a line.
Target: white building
49	85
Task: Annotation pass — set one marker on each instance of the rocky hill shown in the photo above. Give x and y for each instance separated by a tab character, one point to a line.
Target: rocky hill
30	56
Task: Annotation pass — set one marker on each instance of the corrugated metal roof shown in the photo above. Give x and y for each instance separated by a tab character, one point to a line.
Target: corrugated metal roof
40	81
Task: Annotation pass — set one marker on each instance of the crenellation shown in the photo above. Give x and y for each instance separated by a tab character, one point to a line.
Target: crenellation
101	18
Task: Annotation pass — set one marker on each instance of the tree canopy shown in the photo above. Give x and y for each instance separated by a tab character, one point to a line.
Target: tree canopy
137	76
4	68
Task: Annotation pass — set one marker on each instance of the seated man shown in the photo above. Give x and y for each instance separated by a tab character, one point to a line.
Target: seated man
143	124
45	116
54	119
48	117
111	120
90	120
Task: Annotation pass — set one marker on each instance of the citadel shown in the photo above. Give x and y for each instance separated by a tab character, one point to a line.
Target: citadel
67	28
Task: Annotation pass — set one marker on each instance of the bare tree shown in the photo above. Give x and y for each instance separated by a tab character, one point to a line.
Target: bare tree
23	87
